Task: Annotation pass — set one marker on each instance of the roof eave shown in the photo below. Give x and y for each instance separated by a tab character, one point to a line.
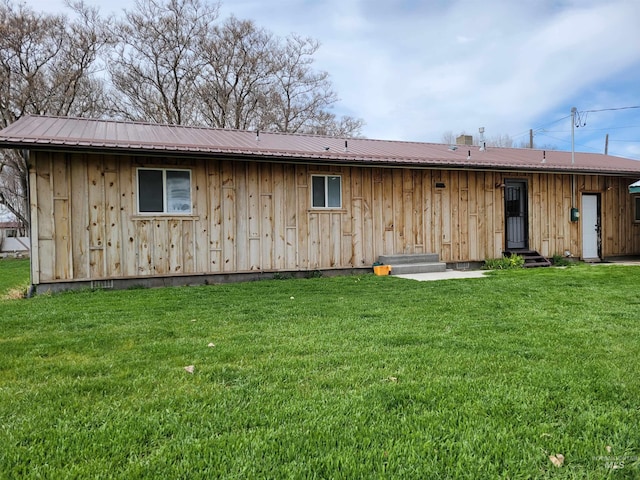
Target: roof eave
296	157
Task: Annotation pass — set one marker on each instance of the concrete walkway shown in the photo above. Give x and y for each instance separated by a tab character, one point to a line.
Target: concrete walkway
446	275
453	274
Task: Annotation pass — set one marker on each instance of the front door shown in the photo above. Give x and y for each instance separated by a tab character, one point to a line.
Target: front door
515	207
590	219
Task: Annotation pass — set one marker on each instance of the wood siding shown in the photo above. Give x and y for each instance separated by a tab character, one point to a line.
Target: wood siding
251	216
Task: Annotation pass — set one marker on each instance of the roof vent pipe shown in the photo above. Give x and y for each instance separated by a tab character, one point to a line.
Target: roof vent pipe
257	135
346	147
469	155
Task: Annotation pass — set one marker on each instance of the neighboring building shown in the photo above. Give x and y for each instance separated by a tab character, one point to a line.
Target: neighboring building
116	203
12	240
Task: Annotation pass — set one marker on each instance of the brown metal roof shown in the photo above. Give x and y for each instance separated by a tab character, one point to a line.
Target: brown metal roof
68	134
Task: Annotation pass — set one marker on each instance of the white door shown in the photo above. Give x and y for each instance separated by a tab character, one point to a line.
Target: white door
590	227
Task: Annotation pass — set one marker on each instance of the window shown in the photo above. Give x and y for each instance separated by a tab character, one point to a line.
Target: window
164	191
636	209
326	191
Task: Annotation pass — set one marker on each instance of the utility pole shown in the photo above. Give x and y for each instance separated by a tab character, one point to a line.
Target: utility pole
531	138
606	144
573	124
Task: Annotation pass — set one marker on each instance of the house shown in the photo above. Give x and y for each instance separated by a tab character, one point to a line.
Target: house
117	203
12	239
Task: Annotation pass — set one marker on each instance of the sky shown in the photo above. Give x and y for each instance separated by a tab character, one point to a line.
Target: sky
417	69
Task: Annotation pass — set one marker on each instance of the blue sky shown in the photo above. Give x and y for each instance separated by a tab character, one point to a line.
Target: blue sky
414	70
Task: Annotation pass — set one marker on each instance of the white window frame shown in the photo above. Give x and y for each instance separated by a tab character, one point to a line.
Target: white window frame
165	197
326	192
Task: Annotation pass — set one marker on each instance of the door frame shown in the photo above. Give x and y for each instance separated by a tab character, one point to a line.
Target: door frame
598	225
523	183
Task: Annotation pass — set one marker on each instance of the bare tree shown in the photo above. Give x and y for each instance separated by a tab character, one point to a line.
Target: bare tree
239	69
502	140
299	93
326	123
175	64
48	65
449	138
156	65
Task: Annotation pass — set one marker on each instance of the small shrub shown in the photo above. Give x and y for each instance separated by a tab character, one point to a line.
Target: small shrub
282	276
504	263
561	261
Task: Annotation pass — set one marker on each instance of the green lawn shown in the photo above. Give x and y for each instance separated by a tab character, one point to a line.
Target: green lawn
14	275
349	377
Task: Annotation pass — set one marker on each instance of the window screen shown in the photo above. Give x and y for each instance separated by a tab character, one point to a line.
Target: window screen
178	191
334	194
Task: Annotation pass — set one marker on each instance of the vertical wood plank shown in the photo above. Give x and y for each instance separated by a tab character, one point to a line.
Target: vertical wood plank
428	192
62	248
187	257
175	248
368	248
291	217
96	217
445	220
36	159
144	239
214	187
314	240
230	217
303	220
346	219
454	209
128	209
388	212
80	218
463	217
113	233
279	223
335	236
62	212
417	212
378	218
199	245
408	212
160	256
253	210
326	242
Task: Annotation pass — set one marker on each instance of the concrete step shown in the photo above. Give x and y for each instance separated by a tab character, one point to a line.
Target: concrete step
405	268
408	259
531	258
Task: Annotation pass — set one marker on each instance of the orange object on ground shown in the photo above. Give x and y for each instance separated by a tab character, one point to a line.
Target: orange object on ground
382	269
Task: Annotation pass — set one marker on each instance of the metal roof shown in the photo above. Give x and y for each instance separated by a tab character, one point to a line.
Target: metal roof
73	134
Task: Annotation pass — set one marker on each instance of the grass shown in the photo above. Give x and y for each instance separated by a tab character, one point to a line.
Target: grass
348	377
14	277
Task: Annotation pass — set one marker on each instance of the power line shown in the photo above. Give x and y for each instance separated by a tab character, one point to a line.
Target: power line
541	127
563	140
611	109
